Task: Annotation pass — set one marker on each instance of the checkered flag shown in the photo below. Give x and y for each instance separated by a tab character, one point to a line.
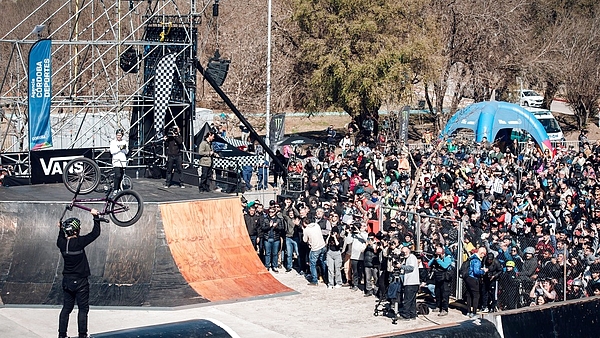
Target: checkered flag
163	84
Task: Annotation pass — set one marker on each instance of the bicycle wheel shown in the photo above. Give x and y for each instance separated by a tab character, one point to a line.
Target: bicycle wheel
81	174
126	183
126	208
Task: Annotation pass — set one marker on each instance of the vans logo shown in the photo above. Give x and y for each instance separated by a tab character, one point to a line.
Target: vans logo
56	165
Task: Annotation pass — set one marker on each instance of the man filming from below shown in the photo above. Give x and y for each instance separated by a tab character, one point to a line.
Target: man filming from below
440	265
173	146
118	150
76	270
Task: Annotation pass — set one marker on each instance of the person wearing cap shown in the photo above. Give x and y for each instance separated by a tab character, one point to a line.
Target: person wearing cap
76	270
118	150
509	287
252	221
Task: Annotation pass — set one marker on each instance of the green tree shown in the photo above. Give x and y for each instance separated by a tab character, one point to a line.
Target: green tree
356	54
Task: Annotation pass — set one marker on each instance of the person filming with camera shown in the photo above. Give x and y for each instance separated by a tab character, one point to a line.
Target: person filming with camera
441	267
409	271
173	146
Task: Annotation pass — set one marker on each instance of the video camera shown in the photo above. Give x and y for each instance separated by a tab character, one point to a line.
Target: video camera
173	131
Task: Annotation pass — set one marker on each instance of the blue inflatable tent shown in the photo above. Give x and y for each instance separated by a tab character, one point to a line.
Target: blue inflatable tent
488	118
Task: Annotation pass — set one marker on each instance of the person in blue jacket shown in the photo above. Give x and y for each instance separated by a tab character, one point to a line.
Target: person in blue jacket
476	271
442	276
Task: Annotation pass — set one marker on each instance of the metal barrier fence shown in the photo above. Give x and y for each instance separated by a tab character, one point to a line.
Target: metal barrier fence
426	231
502	288
426	147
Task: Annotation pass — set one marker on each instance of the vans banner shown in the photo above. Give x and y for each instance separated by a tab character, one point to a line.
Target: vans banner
47	166
40	95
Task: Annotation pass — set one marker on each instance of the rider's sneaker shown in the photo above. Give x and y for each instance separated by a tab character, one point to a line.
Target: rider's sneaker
114	193
182	186
166	186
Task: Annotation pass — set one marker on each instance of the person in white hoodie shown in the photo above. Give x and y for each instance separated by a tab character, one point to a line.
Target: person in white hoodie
118	150
357	240
313	237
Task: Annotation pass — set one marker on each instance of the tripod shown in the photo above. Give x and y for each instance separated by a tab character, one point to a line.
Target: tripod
389	301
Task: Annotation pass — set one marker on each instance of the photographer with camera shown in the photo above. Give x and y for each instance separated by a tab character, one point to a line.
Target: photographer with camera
409	271
118	150
173	146
442	276
356	241
372	265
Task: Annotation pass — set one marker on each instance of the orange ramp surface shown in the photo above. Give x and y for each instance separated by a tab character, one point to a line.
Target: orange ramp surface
211	247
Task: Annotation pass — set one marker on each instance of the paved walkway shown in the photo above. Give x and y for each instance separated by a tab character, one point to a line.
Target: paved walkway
312	312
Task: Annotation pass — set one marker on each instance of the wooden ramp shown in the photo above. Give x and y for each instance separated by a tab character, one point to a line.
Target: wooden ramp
210	245
179	253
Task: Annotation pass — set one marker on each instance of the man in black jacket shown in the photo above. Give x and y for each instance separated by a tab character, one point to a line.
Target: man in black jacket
173	147
76	270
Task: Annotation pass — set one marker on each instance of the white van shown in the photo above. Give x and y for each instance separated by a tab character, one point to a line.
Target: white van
550	124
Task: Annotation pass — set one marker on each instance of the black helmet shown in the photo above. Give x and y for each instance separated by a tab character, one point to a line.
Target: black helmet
120	131
71	226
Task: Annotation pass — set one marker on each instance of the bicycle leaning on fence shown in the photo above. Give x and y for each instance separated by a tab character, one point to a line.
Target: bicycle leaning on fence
82	176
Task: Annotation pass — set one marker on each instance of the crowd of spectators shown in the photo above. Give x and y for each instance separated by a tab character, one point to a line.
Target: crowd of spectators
527	215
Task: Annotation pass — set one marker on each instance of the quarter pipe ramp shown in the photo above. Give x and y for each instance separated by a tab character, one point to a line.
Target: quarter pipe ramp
179	253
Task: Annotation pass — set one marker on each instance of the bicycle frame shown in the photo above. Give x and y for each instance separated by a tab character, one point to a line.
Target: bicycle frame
80	203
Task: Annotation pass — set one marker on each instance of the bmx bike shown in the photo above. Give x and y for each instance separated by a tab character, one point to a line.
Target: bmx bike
107	177
82	176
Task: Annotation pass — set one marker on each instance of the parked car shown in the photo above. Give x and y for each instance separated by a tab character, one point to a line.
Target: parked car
530	98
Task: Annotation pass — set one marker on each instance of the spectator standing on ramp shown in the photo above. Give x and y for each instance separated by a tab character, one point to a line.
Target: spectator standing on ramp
118	150
76	270
206	153
174	145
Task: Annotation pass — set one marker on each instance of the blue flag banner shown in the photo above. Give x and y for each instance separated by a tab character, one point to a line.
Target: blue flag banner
40	95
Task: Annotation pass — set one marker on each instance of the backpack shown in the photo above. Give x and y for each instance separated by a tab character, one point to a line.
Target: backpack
464	268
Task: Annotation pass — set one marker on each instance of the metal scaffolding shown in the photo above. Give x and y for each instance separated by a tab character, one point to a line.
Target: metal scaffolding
103	58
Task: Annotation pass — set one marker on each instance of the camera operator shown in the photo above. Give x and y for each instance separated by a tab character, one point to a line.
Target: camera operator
356	240
335	242
411	282
372	265
441	267
173	146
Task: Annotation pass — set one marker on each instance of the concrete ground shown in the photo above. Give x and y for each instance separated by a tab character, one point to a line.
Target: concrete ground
311	312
